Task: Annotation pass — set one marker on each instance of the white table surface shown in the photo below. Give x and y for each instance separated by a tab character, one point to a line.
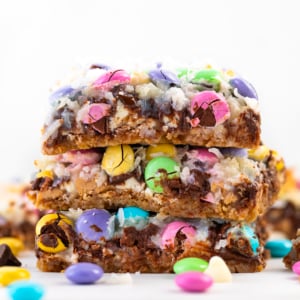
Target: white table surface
274	282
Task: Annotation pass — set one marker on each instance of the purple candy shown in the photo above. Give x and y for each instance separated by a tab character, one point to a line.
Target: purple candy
62	92
84	273
244	87
164	76
93	224
193	281
240	152
100	66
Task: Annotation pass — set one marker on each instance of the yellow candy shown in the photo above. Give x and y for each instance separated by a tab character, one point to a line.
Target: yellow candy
139	78
118	160
45	173
58	244
259	153
16	245
230	73
279	160
160	150
51	218
11	274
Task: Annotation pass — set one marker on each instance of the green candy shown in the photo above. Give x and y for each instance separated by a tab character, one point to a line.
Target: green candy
190	264
208	76
156	168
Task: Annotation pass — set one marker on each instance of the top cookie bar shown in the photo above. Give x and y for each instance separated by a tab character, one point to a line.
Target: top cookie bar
105	107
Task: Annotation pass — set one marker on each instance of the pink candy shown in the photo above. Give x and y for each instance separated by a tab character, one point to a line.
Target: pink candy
209	108
170	231
296	267
205	156
109	79
193	281
96	111
81	157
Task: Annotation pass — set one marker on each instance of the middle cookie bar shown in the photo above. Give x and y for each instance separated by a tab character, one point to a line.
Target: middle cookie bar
182	181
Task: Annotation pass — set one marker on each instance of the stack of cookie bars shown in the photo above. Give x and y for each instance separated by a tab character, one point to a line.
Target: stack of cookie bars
143	168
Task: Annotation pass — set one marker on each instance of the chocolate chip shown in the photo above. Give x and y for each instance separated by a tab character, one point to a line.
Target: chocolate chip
7	258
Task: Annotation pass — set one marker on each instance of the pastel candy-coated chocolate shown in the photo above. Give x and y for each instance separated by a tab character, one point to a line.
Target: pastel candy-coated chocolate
209	109
15	244
81	157
11	274
84	273
119	76
170	231
218	270
25	290
160	150
279	248
154	168
93	224
259	153
205	156
56	244
164	77
243	87
131	215
250	234
230	151
62	92
296	267
193	281
190	264
118	160
208	76
96	112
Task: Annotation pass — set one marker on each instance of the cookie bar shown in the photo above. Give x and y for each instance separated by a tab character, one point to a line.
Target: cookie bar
133	240
294	254
103	107
18	216
182	181
283	217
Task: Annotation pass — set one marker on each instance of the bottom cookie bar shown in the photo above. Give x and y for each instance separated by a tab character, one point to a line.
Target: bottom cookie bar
134	240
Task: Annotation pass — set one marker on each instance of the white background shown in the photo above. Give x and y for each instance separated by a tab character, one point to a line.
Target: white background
41	40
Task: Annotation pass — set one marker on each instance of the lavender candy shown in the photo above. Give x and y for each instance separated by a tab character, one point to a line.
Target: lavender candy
62	92
93	224
239	152
244	88
164	77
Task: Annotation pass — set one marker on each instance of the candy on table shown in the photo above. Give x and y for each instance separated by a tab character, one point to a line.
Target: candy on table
25	290
15	244
296	267
7	257
190	264
9	274
279	247
93	224
84	273
218	270
118	160
157	168
193	281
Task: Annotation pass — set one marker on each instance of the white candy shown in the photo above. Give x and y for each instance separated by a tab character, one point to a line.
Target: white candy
218	270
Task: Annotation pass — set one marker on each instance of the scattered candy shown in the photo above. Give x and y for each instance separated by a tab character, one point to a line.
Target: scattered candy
193	281
279	248
93	224
171	230
81	157
84	273
95	112
11	274
15	244
118	160
45	173
239	152
259	153
204	155
116	76
62	92
296	267
160	150
157	168
163	76
218	270
243	87
250	234
131	215
25	290
139	78
190	264
7	258
207	79
209	108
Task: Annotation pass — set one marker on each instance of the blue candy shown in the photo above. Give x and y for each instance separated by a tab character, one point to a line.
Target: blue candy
132	215
25	290
244	87
250	234
84	273
62	92
164	77
279	248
